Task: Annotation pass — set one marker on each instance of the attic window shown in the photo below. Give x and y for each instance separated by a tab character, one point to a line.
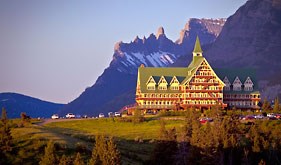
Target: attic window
150	87
175	87
162	87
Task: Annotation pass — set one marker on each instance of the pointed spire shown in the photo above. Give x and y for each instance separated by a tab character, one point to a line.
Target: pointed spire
197	46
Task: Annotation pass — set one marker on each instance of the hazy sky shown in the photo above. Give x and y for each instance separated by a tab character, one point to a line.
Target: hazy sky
54	49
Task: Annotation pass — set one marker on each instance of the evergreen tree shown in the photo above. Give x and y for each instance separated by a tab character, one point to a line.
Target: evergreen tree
105	152
266	106
95	159
78	160
166	148
276	107
49	157
196	125
5	136
113	153
64	160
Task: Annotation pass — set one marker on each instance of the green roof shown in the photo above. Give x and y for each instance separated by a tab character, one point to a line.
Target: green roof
242	74
197	46
156	73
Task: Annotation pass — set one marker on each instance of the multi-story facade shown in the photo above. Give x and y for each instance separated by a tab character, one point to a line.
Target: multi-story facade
198	86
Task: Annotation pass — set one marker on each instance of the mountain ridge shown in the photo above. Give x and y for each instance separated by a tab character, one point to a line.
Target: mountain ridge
16	103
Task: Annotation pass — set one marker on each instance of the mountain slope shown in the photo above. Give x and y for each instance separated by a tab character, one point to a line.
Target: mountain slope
16	103
116	86
252	38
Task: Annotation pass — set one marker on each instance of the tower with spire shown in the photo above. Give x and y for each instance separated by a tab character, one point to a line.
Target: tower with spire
197	51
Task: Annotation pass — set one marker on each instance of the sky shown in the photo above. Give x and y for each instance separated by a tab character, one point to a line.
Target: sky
54	49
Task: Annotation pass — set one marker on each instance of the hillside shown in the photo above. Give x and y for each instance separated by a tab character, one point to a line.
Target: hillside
16	103
252	38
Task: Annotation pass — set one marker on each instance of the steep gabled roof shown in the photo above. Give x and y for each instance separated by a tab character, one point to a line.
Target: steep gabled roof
156	73
242	73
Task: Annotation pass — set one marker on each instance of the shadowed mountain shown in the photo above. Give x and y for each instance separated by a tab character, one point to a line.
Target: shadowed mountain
16	103
252	38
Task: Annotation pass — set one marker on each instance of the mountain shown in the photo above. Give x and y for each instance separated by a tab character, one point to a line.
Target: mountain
115	88
16	103
252	38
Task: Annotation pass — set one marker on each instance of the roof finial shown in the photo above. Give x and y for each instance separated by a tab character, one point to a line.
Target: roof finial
197	46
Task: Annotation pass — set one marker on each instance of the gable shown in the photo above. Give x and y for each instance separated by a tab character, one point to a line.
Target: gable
237	81
150	80
248	82
196	64
226	81
162	81
174	80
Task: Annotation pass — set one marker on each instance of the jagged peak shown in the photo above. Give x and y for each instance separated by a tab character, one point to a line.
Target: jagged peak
160	32
143	39
137	39
117	46
151	36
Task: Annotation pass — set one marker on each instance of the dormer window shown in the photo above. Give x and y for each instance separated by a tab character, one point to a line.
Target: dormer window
162	84
237	85
227	84
150	83
150	87
248	84
174	84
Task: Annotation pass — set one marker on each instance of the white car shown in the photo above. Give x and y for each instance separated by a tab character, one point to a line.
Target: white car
101	115
70	115
55	116
270	115
117	114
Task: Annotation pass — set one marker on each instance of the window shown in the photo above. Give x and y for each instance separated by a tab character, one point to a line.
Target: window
151	87
162	87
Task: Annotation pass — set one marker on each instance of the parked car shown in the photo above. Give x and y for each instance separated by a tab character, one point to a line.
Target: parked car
117	114
270	115
55	116
278	116
101	115
110	114
259	116
70	115
248	117
205	120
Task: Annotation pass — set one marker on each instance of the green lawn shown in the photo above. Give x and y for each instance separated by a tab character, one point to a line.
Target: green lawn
135	141
113	127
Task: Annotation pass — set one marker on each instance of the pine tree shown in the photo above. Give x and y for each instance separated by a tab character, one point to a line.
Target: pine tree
265	105
95	159
49	157
64	160
5	135
105	152
166	148
78	160
113	153
196	125
276	107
